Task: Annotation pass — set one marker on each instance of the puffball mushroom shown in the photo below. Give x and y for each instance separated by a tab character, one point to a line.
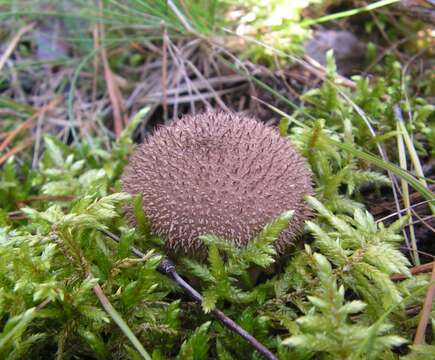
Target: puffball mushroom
218	173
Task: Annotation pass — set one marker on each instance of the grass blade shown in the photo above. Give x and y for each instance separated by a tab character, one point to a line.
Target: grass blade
388	166
120	322
405	196
348	13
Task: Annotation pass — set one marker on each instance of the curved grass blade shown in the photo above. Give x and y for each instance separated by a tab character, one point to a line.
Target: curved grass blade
120	322
386	165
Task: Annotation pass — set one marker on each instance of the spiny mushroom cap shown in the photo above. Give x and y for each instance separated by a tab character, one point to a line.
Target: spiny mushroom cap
218	173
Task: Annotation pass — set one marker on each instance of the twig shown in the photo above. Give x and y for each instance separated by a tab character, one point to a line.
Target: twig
16	149
112	86
16	215
414	271
167	268
426	310
25	125
96	38
405	209
33	198
43	304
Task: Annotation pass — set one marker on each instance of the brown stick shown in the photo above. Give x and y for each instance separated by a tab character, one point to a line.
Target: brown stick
414	271
112	86
33	198
11	135
167	268
28	123
165	75
425	311
16	149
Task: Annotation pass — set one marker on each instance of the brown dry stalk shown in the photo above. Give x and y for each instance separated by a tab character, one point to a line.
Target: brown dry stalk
112	87
27	123
11	135
96	38
387	205
46	198
425	311
414	271
16	149
165	75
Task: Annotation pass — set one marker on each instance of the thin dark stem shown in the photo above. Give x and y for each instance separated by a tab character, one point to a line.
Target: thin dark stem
167	268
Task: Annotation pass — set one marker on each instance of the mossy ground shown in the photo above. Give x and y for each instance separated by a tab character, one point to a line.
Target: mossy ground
81	81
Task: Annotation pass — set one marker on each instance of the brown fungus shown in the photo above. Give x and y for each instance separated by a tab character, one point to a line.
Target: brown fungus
218	173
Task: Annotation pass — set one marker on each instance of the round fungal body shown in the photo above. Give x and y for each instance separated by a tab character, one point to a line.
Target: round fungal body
218	173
